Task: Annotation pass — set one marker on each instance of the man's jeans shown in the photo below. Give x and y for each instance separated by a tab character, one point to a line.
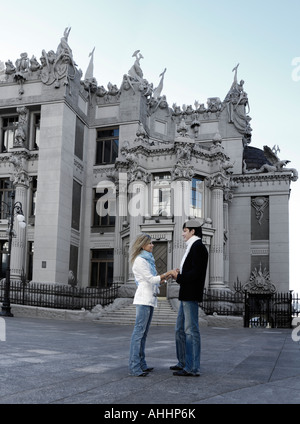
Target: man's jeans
188	341
137	362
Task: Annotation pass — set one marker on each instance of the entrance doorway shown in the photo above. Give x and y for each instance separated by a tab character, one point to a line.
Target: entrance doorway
160	253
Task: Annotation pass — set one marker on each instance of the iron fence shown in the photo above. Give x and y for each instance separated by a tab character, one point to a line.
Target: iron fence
269	310
223	302
59	296
276	310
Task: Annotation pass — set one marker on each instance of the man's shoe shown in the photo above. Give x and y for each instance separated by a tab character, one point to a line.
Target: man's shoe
148	369
144	374
176	368
184	373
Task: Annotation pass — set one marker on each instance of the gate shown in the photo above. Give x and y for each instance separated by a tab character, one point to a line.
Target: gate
268	310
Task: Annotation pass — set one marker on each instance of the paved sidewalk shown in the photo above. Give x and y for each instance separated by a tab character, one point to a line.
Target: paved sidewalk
46	361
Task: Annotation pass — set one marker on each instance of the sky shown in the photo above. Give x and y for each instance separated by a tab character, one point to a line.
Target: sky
199	42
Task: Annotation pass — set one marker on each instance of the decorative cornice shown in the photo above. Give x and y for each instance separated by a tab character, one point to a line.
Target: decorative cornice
170	149
263	177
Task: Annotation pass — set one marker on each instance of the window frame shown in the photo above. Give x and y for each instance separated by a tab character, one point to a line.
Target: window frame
195	210
35	127
97	220
162	186
103	262
104	145
4	145
5	196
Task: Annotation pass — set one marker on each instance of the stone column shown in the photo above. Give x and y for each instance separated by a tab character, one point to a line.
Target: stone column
17	265
181	196
217	183
137	199
20	181
136	208
181	191
121	217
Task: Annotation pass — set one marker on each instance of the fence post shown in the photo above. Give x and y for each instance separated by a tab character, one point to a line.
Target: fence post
291	308
246	307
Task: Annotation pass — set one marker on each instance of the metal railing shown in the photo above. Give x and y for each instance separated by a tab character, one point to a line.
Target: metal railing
275	310
59	296
278	311
222	302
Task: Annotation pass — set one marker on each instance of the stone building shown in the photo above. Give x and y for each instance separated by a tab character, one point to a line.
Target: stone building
94	166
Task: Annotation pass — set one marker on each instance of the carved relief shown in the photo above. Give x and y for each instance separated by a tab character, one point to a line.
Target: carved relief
259	282
55	66
183	153
21	130
21	71
259	204
182	172
19	175
141	135
182	128
218	180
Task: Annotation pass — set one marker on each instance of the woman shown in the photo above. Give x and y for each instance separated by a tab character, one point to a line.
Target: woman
145	299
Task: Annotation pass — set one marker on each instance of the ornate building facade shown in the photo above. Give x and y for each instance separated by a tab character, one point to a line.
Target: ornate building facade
95	166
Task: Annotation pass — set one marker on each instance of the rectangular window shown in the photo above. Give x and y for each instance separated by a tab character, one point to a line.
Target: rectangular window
79	138
196	202
76	205
107	145
73	261
3	258
104	219
9	126
36	130
28	131
33	192
30	252
102	261
161	197
5	191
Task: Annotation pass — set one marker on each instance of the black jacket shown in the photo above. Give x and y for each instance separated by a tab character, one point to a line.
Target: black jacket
192	278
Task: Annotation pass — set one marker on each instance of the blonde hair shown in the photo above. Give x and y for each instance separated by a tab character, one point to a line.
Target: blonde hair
136	248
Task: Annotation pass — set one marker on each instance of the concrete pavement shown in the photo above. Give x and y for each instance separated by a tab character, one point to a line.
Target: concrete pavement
46	361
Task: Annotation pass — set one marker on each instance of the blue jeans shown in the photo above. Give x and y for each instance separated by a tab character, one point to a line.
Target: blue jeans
137	362
188	340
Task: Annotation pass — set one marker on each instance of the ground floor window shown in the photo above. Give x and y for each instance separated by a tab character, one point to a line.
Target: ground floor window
3	258
30	260
5	192
101	267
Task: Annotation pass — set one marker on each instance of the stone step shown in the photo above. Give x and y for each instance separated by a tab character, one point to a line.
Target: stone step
164	314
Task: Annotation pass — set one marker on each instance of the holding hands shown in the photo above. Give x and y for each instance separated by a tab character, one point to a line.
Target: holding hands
169	274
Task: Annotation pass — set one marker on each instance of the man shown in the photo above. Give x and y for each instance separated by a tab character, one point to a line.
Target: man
191	277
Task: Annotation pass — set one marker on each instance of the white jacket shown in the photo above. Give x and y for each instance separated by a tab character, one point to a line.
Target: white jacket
148	284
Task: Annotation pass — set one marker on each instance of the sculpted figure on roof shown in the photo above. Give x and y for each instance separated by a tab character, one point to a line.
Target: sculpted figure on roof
236	102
